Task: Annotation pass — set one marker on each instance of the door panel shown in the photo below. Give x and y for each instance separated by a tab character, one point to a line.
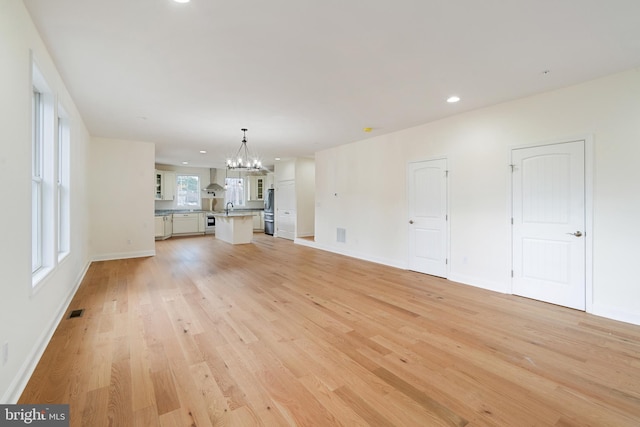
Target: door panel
427	182
548	210
286	210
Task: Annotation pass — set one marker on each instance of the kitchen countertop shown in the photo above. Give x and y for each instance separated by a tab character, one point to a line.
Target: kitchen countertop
232	214
164	212
241	211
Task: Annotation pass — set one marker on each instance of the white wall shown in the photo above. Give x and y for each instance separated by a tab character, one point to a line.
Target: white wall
305	174
362	186
122	199
27	320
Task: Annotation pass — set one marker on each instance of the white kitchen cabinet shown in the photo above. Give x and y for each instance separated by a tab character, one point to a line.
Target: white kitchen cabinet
235	228
258	221
286	220
256	188
159	178
159	226
202	223
188	223
163	226
165	185
169	186
168	226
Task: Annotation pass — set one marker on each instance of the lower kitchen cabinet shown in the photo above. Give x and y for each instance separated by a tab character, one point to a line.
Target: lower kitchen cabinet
163	227
258	221
159	226
188	223
202	222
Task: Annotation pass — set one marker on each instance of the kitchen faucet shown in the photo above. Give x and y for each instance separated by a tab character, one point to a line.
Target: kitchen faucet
226	208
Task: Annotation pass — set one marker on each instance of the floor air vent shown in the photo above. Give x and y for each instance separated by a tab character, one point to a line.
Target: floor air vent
76	313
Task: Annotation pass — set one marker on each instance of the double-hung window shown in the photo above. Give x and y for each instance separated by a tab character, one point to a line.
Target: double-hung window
188	191
43	178
37	182
63	204
234	191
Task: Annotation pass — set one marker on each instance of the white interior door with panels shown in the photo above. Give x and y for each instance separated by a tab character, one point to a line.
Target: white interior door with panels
428	236
549	217
286	209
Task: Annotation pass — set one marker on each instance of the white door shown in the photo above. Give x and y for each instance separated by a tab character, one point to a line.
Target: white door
286	209
549	223
427	182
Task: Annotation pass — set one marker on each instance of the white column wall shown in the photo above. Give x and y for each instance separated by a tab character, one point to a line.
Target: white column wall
122	199
362	186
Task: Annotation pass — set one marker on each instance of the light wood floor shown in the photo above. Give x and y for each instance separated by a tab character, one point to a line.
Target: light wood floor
273	333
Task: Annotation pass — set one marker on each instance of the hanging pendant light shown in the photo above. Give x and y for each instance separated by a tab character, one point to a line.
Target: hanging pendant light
244	160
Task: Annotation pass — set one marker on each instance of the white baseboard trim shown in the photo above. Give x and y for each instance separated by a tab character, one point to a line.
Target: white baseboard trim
123	255
615	313
351	254
479	283
21	379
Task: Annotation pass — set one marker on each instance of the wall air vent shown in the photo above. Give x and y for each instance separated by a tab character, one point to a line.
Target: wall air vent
341	235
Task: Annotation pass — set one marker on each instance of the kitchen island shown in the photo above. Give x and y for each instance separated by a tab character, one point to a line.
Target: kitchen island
234	227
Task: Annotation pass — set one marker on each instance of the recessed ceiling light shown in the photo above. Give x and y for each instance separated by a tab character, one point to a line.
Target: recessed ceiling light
277	158
182	1
203	151
453	99
185	163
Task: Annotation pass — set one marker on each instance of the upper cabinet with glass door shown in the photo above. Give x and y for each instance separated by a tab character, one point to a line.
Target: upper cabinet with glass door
256	187
165	185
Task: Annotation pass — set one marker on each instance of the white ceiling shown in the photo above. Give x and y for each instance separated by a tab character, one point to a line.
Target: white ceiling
305	75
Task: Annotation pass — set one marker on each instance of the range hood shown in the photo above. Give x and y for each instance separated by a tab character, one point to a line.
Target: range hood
214	187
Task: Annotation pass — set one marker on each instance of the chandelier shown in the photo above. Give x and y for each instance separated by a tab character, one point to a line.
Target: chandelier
244	160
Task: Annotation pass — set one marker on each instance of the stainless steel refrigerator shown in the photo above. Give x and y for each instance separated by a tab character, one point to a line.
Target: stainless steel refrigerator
268	212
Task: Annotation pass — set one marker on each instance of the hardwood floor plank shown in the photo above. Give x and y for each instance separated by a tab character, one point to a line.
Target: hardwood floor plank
119	407
143	395
362	407
220	372
215	402
146	417
443	414
94	412
165	391
272	333
343	413
287	394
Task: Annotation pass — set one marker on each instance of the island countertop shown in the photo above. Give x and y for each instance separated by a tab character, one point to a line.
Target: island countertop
231	214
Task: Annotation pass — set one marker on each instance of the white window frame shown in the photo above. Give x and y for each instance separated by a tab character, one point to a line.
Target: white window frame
63	193
37	112
43	212
197	204
235	191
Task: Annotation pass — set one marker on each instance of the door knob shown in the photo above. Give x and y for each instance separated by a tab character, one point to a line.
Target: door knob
410	221
577	234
